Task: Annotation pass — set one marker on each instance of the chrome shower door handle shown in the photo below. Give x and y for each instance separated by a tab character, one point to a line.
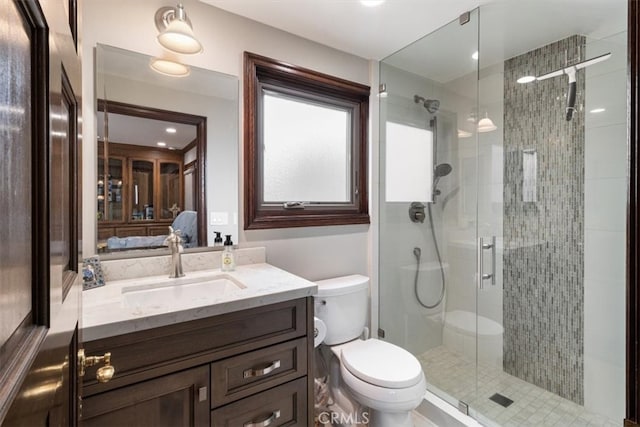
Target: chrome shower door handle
481	248
480	262
492	246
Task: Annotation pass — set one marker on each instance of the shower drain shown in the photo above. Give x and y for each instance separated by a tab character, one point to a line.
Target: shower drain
501	400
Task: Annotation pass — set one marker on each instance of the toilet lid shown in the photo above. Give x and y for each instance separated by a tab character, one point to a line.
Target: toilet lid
381	363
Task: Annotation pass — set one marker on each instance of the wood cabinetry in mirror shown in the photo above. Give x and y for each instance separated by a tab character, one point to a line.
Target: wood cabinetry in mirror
140	189
148	177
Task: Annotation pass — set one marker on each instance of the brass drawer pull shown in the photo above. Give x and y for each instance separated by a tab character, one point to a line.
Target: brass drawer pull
260	372
274	416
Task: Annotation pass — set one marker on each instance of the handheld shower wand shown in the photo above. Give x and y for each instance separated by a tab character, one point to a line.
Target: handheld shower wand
441	170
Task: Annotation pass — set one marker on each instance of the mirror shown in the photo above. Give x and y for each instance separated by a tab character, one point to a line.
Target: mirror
167	154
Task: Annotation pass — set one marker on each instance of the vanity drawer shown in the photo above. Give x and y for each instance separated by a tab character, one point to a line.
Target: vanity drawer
283	405
139	355
249	373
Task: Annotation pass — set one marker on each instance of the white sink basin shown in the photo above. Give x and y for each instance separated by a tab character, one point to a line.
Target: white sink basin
184	291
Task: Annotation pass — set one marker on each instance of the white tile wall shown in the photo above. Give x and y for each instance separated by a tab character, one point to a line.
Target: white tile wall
605	222
605	159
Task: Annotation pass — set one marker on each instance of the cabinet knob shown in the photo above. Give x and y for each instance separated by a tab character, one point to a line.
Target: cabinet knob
104	373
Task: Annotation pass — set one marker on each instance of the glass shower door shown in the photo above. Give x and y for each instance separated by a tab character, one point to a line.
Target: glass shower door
552	193
428	202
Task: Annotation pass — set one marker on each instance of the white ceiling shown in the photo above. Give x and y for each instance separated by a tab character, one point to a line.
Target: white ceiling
147	132
508	29
376	33
347	25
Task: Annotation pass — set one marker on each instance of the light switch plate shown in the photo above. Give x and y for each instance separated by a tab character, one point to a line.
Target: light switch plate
218	218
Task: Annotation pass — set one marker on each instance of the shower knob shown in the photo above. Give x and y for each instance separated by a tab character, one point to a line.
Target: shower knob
416	212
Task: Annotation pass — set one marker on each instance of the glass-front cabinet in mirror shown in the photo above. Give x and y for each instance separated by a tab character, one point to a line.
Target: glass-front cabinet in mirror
171	189
166	154
142	177
140	191
111	189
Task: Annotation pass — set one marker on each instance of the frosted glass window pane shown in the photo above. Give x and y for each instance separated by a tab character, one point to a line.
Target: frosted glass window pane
306	151
409	163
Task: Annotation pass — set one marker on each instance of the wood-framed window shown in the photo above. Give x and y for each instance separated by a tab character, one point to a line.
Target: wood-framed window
305	147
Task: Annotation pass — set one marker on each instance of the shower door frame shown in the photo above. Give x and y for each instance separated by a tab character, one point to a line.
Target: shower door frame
633	218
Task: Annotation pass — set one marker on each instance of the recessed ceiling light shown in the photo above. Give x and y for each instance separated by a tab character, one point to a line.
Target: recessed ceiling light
526	79
598	110
172	148
475	55
161	144
371	3
171	130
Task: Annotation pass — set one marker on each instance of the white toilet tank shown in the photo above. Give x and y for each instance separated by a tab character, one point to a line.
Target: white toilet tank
341	303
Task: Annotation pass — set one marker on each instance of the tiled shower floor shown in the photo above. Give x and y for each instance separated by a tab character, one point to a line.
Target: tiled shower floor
532	406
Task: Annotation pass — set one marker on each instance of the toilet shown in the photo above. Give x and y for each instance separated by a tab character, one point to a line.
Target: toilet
379	381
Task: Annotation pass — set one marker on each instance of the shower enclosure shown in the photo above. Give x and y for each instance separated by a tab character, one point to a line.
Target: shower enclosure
502	211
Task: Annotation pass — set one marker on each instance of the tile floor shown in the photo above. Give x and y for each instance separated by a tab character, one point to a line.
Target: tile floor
532	406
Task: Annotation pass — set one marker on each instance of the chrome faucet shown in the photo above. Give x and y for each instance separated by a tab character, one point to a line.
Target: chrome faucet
174	241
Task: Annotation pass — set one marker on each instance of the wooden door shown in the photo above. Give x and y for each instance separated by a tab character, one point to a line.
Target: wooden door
40	288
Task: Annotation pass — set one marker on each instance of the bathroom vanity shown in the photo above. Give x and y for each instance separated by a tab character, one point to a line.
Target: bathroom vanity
237	355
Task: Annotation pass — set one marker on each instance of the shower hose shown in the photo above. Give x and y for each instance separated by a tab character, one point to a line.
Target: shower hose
418	254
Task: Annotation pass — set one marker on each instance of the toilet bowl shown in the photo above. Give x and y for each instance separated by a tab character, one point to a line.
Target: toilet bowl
378	375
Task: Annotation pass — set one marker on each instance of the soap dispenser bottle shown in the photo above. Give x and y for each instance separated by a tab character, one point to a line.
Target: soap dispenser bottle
228	257
218	240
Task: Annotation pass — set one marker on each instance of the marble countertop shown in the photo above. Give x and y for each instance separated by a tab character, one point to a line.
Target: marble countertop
105	312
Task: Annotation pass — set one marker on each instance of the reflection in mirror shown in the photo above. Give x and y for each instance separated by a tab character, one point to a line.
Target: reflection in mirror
142	153
167	154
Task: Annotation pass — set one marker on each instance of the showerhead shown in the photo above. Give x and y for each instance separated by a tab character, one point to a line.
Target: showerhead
443	169
432	105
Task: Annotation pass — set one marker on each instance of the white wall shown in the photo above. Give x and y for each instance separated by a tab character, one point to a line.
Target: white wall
605	192
313	253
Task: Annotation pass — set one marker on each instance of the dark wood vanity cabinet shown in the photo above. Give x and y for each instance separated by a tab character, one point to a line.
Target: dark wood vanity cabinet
237	369
179	399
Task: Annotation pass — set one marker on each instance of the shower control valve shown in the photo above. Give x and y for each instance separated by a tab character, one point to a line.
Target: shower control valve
416	212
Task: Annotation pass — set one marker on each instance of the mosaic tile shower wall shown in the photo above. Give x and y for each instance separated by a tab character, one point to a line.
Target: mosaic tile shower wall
543	222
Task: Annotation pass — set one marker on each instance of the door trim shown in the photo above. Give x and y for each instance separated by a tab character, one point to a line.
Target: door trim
20	351
633	218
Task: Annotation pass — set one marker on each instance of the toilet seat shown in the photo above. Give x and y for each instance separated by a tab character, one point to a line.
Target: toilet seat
382	398
381	364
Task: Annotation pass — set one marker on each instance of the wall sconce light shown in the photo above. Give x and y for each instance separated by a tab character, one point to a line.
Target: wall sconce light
486	124
176	31
169	68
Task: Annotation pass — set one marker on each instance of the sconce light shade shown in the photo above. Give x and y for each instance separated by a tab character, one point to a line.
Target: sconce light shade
169	68
486	125
176	32
463	133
